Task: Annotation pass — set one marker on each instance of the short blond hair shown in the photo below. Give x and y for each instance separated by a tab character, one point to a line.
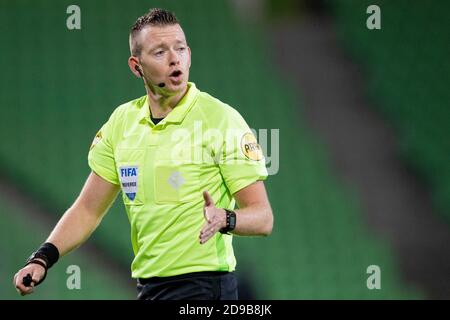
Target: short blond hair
155	17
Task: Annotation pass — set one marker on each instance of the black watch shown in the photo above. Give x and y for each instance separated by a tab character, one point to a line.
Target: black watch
231	222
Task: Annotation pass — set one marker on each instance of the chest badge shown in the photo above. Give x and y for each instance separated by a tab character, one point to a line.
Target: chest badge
176	180
129	181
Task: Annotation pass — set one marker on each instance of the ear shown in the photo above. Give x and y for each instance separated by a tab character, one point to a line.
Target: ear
133	62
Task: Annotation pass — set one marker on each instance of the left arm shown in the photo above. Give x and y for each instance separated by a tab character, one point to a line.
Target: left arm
253	218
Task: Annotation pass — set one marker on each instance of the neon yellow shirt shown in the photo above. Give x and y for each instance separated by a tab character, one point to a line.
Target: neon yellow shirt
202	144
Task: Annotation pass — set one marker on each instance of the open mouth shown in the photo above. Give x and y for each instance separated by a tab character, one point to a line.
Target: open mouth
176	74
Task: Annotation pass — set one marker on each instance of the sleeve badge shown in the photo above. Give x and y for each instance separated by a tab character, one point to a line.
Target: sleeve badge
97	138
250	147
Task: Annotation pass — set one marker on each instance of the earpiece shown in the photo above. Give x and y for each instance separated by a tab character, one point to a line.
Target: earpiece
139	70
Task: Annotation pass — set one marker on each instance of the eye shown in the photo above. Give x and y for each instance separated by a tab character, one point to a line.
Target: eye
181	49
159	53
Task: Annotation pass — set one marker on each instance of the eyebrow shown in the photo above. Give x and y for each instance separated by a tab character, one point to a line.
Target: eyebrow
161	44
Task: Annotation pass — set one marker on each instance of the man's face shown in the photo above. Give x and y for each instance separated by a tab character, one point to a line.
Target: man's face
165	56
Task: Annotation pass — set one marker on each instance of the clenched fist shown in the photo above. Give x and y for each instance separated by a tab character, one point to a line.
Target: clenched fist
37	273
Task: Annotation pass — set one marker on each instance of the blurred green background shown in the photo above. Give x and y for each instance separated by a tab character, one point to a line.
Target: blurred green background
58	86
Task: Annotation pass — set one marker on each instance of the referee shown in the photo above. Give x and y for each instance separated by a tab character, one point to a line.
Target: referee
182	159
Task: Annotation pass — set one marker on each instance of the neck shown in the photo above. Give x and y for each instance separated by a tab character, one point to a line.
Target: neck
162	102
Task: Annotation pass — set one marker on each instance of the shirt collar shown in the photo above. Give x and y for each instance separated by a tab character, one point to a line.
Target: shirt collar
179	112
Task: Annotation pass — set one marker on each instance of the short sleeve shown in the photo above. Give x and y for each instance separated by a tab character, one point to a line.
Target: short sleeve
101	154
242	161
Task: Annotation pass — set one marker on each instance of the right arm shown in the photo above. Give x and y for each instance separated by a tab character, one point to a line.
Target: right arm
83	217
76	225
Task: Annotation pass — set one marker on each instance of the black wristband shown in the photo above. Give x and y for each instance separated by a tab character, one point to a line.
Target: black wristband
47	252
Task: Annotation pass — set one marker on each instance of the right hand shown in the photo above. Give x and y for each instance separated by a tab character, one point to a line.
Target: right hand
36	271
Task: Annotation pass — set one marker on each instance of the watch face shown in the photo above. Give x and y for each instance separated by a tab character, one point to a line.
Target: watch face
232	221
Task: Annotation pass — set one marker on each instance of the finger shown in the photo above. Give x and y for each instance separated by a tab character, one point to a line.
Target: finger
27	291
204	229
24	290
208	200
206	236
21	288
207	233
18	281
208	217
35	278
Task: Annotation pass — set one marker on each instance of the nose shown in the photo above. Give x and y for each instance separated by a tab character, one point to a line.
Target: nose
173	58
